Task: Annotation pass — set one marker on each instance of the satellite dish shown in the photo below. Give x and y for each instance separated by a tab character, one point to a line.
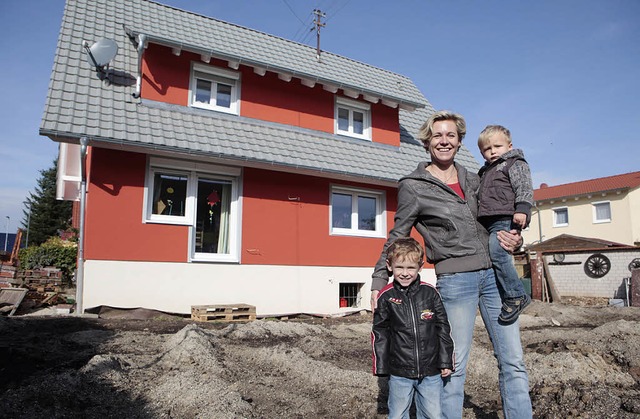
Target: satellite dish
101	53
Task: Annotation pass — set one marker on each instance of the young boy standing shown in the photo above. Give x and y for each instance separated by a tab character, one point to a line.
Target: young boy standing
411	335
505	199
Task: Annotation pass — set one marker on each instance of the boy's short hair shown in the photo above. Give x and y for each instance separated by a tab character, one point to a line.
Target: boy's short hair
405	248
491	130
426	130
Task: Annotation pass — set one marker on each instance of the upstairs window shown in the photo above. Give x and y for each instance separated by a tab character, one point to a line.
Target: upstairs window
601	212
357	212
353	118
214	88
561	217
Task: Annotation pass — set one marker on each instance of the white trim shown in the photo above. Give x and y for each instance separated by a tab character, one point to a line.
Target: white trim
595	215
381	209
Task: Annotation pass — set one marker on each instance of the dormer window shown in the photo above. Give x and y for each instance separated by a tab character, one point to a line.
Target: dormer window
214	88
353	118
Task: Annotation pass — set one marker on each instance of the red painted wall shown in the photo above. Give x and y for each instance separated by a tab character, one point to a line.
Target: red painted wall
285	219
113	226
166	79
286	222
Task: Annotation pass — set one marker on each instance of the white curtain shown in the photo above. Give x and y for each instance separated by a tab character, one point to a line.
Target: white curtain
225	208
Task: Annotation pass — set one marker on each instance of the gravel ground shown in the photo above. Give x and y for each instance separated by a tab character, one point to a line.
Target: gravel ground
583	360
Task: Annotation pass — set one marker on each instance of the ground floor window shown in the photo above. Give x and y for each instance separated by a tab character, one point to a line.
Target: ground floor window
203	197
357	212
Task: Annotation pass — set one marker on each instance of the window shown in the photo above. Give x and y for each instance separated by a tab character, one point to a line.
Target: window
601	212
203	197
214	88
353	118
349	295
560	217
357	212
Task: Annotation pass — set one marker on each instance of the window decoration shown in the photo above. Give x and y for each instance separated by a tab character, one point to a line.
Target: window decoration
203	197
597	265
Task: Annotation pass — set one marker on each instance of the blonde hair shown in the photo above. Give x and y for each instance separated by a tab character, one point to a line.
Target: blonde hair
426	130
490	131
405	248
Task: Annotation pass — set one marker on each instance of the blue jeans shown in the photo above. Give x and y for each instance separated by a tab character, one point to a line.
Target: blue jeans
462	295
427	394
503	261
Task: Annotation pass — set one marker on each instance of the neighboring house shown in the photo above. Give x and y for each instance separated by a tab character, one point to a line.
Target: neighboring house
225	165
582	267
606	208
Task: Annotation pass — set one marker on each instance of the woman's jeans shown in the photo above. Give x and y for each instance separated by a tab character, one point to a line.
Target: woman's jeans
427	394
502	261
462	294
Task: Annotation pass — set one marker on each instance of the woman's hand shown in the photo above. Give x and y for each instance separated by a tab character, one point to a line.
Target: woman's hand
510	240
374	300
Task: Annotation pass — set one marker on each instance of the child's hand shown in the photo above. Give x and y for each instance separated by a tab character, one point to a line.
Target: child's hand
520	220
445	372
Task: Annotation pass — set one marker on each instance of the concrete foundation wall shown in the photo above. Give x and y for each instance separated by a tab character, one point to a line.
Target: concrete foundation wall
273	290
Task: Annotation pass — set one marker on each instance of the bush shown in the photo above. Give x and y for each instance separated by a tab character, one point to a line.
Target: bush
55	252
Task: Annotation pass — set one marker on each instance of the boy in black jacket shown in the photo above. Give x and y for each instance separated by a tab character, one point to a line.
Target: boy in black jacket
411	335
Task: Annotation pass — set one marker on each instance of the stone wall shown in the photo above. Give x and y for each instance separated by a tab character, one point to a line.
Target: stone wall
571	280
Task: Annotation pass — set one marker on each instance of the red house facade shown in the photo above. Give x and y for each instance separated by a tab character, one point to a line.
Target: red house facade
225	165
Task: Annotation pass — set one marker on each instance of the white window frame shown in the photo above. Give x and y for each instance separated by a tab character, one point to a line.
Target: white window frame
381	210
351	106
555	218
194	171
595	212
215	75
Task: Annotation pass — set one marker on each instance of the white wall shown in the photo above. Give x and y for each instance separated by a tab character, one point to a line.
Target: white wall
175	287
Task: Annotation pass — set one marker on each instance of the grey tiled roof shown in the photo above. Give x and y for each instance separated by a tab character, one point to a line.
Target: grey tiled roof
79	104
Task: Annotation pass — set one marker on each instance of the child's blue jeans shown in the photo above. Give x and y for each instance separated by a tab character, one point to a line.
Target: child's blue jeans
427	393
503	261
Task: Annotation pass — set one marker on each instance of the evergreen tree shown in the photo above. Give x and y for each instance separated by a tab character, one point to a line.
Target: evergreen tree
49	216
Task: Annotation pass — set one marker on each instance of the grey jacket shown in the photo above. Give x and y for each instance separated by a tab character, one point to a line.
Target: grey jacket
505	186
454	240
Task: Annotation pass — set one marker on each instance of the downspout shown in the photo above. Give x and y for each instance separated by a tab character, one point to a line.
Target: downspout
83	197
142	39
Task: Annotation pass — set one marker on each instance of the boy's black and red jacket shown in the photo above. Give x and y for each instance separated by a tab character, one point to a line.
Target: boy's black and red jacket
411	336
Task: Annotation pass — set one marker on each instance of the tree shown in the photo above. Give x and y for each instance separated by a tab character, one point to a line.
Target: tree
48	216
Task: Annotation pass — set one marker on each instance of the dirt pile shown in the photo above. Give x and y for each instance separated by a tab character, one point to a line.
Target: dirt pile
583	362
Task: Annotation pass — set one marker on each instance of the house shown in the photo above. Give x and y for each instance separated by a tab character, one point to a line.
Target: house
605	208
225	165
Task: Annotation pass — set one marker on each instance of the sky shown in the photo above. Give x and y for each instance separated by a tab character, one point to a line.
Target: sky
562	75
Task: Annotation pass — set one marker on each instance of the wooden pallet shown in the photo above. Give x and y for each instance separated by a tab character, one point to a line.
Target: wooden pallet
223	312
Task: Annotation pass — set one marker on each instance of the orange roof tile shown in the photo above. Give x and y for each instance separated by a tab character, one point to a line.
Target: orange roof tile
603	184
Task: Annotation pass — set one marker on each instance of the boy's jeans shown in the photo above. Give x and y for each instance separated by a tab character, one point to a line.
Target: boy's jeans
427	391
462	294
503	261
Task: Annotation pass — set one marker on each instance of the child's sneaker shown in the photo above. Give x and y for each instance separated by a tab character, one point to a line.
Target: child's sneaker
512	307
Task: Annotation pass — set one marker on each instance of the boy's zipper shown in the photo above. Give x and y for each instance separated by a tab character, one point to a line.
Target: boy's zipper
415	333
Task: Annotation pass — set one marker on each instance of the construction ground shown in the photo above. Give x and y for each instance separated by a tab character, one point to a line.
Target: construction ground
583	359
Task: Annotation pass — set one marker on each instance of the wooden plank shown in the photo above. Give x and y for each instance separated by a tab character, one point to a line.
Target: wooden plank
555	295
10	299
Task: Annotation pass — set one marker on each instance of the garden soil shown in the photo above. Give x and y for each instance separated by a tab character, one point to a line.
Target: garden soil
583	361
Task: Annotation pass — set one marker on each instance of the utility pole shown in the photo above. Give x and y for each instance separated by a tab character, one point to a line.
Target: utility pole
318	25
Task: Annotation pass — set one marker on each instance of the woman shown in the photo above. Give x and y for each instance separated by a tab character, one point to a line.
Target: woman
439	200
